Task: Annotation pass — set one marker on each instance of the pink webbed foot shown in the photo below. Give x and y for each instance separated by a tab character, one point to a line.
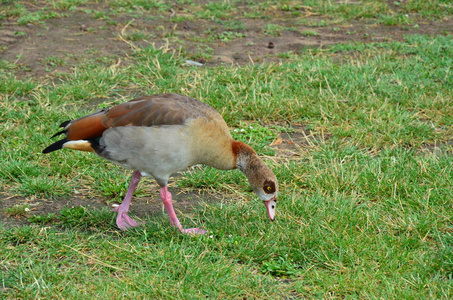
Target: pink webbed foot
123	221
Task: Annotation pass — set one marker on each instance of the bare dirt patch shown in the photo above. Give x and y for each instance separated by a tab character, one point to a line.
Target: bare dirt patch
56	44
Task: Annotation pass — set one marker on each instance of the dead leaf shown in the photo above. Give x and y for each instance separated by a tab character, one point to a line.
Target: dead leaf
278	141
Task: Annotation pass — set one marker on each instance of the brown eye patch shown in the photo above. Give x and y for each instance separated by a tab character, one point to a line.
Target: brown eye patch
269	187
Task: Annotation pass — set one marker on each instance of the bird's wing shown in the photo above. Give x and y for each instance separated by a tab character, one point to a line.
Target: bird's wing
157	110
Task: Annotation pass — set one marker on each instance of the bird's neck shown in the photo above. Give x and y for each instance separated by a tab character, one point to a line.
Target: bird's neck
246	159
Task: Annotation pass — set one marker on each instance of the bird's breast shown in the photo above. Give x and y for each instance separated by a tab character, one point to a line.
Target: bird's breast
211	144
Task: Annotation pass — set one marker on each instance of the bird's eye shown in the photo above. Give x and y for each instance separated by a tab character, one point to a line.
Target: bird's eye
269	187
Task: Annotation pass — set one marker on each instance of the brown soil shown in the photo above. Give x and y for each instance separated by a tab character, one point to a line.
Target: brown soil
76	36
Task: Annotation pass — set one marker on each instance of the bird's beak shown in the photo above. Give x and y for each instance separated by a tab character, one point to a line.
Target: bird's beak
270	206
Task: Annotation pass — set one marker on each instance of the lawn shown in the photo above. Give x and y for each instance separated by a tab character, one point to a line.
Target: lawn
359	133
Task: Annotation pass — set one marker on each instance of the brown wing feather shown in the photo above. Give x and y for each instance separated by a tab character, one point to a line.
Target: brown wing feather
166	109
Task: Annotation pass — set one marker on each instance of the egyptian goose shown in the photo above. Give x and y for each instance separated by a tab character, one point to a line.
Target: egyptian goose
160	135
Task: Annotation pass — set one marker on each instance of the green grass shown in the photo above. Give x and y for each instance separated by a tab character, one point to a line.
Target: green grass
365	209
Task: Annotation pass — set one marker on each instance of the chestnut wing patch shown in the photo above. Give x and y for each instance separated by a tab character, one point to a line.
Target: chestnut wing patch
87	127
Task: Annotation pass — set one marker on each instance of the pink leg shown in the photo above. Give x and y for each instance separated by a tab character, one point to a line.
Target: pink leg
166	198
123	220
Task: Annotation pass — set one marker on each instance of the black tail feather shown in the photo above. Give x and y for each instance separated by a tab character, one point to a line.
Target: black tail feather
58	133
55	146
65	123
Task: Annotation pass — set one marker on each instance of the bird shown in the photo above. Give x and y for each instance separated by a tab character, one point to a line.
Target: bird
160	135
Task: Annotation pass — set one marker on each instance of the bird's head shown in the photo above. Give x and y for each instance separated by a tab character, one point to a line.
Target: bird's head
260	177
267	190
